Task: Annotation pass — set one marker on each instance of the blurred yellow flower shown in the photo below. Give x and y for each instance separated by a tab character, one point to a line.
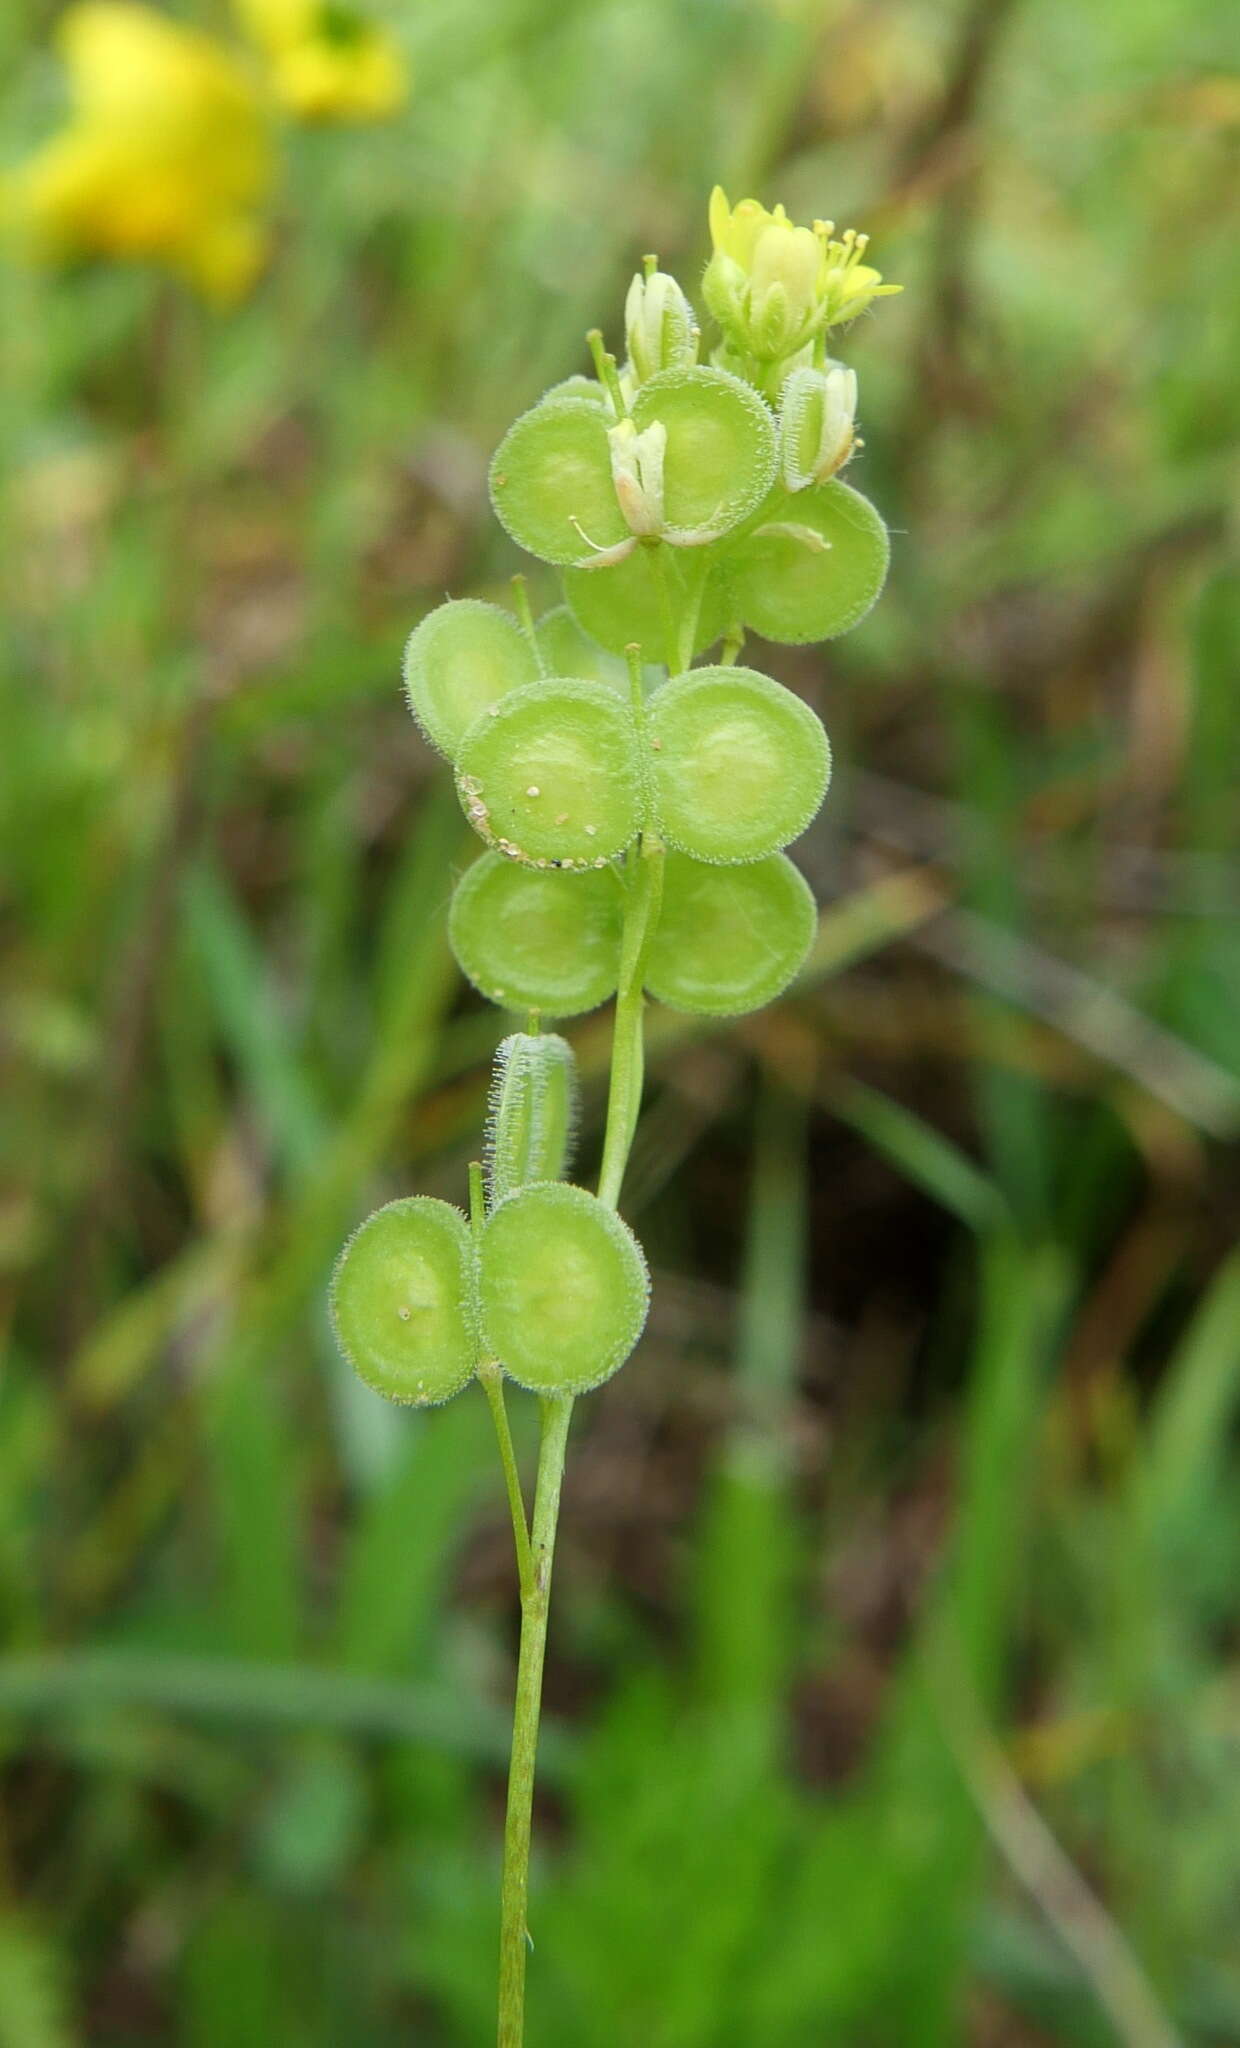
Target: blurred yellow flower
327	61
773	286
166	156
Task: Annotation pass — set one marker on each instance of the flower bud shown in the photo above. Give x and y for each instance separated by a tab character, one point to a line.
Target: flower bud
637	472
817	425
659	326
532	1112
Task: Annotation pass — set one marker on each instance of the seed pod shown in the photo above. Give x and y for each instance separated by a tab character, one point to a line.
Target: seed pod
562	1287
551	483
532	1112
462	658
568	650
813	568
552	775
729	939
620	603
402	1301
535	940
719	461
739	765
578	386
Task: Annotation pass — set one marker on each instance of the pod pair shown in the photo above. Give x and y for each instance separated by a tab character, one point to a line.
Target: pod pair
553	1287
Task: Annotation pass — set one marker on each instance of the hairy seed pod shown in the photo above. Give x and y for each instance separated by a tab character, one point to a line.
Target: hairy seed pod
739	765
562	1288
461	659
620	604
531	1114
533	939
729	939
814	567
553	774
567	650
720	457
578	386
552	487
402	1301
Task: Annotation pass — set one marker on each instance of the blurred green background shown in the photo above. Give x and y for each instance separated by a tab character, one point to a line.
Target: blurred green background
894	1688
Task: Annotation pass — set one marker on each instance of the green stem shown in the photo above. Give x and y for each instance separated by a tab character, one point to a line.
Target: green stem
667	610
624	1100
627	1062
491	1380
535	1599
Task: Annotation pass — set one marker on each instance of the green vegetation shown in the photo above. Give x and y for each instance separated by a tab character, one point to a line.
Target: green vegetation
892	1687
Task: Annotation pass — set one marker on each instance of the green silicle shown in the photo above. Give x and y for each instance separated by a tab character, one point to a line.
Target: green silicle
633	802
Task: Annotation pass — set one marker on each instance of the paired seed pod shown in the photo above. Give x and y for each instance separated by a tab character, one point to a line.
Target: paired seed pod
694	458
556	1291
725	764
729	939
550	1283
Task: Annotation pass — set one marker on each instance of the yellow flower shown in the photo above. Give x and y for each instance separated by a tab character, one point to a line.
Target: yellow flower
774	286
166	156
327	61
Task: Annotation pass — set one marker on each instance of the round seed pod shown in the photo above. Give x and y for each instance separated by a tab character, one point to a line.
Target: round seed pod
815	566
551	483
552	774
578	386
739	765
562	1288
462	658
402	1301
532	1112
568	650
619	603
720	457
729	939
535	940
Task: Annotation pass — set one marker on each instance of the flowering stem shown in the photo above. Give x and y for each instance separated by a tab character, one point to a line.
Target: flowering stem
624	1100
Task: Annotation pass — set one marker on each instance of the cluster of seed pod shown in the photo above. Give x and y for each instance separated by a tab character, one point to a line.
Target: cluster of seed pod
682	506
545	1280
